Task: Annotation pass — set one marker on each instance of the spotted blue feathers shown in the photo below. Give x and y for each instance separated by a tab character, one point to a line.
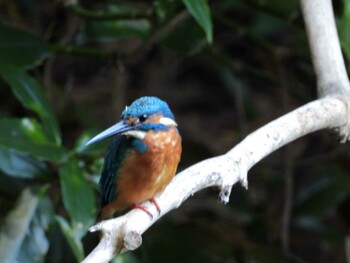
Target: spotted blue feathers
148	106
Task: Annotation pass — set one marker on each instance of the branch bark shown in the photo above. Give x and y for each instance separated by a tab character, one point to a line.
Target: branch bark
327	57
331	111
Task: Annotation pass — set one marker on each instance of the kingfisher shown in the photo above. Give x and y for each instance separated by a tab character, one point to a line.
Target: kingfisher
142	158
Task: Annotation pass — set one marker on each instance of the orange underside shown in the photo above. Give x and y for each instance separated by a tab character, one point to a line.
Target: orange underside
144	175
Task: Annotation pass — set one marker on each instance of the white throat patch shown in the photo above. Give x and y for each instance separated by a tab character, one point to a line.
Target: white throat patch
167	122
136	134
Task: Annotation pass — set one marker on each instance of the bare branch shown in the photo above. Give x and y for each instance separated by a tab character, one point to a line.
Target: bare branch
326	53
124	233
332	78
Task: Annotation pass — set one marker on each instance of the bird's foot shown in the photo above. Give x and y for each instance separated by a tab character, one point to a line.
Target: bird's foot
152	200
144	209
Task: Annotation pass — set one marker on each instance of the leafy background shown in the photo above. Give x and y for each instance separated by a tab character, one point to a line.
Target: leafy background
226	67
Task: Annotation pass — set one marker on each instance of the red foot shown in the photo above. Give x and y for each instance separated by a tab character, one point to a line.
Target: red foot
144	209
152	200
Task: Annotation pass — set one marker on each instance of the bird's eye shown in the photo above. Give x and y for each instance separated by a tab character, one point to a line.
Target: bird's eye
143	117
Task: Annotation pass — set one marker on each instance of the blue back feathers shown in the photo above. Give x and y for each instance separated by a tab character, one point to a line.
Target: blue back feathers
116	153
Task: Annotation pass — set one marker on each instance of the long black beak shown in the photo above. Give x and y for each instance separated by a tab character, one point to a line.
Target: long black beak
116	129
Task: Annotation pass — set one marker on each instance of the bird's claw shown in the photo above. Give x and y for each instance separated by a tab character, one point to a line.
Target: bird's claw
144	209
153	201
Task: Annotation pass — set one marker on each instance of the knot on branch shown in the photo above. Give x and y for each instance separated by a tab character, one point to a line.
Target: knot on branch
235	171
224	196
132	240
344	129
115	233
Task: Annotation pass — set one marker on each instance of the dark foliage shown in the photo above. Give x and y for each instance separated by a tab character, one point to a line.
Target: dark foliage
225	67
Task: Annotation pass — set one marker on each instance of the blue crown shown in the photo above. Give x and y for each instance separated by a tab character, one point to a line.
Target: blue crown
148	106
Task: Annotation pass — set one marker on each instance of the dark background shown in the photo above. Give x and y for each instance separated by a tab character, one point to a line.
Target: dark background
74	68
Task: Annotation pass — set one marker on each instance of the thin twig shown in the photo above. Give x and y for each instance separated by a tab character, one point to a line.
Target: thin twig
288	165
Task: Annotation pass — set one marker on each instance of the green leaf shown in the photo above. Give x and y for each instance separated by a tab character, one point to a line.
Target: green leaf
21	49
322	193
78	195
97	149
14	136
125	258
113	30
194	41
21	165
265	25
73	241
33	130
199	9
28	91
343	27
166	9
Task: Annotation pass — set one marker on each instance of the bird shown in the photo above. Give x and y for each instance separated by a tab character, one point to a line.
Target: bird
142	157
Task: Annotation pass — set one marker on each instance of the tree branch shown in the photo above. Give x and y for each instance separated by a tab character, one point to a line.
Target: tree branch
331	111
332	78
124	233
325	48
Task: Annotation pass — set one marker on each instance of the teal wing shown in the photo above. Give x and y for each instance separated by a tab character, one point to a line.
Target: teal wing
116	153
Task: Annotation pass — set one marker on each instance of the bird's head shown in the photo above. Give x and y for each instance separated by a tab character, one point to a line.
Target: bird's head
143	115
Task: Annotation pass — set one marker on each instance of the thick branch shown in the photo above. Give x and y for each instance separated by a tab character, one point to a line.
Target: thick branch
332	78
124	233
325	48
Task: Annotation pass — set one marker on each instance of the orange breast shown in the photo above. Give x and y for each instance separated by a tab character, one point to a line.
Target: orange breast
145	174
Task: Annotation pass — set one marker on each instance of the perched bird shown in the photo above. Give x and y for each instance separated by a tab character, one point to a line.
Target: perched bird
142	157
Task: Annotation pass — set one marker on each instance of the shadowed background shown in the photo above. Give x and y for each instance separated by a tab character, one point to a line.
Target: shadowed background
224	67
